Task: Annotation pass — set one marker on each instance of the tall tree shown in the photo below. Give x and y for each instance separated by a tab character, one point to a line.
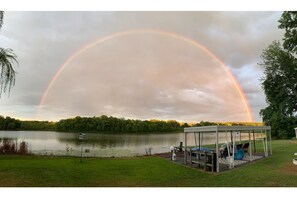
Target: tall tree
288	22
280	80
7	73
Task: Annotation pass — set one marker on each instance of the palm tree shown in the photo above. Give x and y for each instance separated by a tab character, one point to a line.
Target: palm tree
7	73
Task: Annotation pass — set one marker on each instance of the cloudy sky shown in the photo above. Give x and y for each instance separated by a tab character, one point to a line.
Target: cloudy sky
171	65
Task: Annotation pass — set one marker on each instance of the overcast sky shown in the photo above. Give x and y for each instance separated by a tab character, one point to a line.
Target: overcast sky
140	75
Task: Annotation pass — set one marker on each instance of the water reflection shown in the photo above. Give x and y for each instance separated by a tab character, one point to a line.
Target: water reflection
104	145
100	145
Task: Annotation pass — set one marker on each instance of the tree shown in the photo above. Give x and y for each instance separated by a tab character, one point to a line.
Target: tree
288	22
7	73
280	80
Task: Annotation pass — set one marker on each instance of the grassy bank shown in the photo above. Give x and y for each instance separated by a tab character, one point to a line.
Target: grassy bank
277	170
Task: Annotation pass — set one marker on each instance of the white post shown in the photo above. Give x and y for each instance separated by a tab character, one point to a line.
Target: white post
234	138
185	153
263	141
270	142
217	150
250	145
201	145
199	140
266	153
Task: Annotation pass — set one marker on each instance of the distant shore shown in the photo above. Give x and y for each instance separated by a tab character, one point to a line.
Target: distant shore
108	124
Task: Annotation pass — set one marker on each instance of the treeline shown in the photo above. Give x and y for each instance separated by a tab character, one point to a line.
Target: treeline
107	124
112	124
92	124
38	125
8	123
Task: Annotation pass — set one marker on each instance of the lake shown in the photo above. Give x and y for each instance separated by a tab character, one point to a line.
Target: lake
101	145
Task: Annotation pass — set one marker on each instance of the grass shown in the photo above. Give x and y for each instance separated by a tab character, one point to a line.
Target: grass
36	171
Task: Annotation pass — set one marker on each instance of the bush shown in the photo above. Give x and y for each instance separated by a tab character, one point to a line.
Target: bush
23	148
7	146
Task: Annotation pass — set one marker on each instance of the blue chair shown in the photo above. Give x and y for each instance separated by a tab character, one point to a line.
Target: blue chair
239	154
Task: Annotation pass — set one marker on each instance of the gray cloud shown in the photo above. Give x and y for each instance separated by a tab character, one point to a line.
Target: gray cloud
44	40
161	77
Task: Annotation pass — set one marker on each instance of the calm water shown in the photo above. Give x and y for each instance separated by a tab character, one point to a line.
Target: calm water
101	145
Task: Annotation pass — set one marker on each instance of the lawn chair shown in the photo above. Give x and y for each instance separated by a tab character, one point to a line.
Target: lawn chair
239	146
224	152
245	147
180	148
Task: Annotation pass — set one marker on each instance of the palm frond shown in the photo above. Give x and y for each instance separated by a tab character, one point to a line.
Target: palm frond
1	18
7	73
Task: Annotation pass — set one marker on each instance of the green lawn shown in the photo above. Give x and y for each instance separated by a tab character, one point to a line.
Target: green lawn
277	170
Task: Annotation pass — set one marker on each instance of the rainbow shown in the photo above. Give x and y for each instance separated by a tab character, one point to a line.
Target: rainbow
164	33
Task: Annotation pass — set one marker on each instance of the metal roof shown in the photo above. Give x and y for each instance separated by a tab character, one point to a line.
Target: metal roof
205	129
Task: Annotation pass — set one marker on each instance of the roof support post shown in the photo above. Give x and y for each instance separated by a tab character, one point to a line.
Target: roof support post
199	141
233	149
266	137
254	141
186	148
270	142
250	146
263	141
217	150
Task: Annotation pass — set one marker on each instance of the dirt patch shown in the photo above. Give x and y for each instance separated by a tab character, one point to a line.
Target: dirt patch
165	155
290	169
168	155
